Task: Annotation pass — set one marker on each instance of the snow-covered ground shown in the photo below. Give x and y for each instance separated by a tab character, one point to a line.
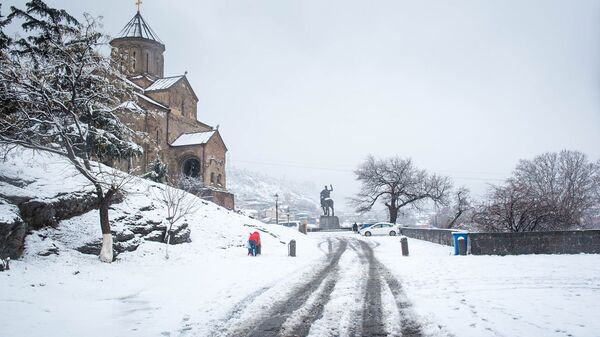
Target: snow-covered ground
210	287
525	295
145	295
142	293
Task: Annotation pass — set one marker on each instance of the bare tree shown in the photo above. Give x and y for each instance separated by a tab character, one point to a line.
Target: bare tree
397	183
461	205
552	191
441	218
179	204
456	213
59	95
508	209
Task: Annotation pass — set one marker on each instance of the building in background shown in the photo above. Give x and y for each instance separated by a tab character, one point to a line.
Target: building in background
172	132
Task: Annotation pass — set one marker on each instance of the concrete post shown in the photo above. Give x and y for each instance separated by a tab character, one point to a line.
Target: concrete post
292	248
462	246
404	244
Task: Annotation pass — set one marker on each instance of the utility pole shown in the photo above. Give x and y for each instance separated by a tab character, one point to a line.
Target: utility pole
277	208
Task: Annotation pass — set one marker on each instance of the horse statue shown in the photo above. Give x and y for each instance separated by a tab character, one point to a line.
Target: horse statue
327	202
327	206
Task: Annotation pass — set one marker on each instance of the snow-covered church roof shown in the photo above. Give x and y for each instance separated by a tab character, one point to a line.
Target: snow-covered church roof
137	27
164	83
196	138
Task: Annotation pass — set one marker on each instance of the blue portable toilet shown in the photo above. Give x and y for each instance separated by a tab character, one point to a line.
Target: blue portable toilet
456	235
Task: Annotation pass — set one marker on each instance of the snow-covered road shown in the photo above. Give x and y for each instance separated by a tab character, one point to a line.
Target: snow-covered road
340	284
349	293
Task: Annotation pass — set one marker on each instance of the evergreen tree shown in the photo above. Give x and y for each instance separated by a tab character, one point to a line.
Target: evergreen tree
158	171
60	96
4	39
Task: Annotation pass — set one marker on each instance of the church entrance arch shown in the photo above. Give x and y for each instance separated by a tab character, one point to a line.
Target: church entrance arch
191	167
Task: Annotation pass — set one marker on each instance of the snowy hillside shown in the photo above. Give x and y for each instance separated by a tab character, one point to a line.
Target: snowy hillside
50	267
339	284
256	191
44	178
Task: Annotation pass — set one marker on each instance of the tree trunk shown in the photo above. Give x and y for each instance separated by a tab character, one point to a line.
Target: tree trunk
453	222
393	214
167	240
106	253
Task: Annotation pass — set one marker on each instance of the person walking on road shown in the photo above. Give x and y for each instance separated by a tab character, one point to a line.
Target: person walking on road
355	228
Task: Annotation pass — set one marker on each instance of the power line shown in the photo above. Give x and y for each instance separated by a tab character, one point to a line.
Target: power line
321	168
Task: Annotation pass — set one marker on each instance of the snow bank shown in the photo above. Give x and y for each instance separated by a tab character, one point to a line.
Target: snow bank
478	296
71	294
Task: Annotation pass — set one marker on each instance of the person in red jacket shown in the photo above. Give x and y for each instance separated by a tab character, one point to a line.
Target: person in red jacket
256	238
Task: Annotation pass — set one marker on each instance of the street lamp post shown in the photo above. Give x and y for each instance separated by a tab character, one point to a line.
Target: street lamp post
277	208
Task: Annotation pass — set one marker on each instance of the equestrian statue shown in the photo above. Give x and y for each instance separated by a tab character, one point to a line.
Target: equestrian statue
327	202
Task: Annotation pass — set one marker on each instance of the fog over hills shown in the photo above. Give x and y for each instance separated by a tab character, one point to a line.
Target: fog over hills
256	191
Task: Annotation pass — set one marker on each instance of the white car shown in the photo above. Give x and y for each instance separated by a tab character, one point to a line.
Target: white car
381	228
292	224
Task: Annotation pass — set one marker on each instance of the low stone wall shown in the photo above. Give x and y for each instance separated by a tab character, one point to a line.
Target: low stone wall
224	199
556	242
435	235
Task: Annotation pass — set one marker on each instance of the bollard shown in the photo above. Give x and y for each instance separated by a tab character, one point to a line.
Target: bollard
404	244
292	248
462	246
302	227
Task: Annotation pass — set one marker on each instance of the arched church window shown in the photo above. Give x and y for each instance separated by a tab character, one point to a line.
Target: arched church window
182	108
134	60
212	177
219	179
191	167
147	62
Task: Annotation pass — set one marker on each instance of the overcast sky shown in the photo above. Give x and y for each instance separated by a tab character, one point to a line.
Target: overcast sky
307	89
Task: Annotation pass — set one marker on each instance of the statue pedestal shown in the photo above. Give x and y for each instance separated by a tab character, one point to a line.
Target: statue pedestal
329	222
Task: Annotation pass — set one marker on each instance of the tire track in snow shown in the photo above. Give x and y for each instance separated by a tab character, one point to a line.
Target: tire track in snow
325	304
270	323
372	323
410	327
300	321
342	315
220	326
378	273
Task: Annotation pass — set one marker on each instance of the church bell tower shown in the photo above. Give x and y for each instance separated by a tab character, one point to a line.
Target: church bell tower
139	49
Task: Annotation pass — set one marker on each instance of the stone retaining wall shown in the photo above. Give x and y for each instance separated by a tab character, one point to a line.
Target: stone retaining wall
556	242
435	235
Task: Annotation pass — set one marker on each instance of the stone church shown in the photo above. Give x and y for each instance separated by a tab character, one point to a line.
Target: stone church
166	111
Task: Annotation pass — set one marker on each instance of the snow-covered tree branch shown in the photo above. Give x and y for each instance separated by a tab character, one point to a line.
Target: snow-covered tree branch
179	204
59	95
552	191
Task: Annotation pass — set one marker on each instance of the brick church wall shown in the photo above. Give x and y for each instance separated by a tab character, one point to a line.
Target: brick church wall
143	62
173	98
215	163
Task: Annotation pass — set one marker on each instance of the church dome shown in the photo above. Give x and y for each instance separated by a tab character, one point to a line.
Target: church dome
138	28
140	50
